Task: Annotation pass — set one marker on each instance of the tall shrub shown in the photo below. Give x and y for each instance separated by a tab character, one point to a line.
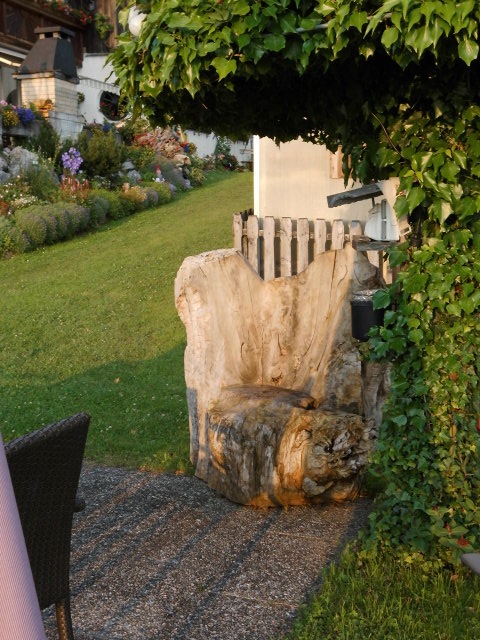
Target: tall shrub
46	142
101	152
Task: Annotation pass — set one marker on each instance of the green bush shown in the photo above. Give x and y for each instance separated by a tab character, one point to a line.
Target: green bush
98	207
137	196
79	217
128	204
163	191
13	240
115	206
63	221
171	173
141	157
101	152
152	196
197	176
31	223
45	224
46	142
43	181
48	223
5	240
51	223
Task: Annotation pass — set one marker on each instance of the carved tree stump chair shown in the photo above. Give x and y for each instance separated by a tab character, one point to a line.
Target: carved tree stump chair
45	469
281	409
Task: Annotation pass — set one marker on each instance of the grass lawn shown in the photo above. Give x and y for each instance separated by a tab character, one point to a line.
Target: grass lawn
91	324
380	600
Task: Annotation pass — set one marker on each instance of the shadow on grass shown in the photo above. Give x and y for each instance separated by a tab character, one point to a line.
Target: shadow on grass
139	411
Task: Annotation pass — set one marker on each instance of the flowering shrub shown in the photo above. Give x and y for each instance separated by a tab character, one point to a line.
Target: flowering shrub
62	6
136	195
26	115
15	194
72	187
13	115
9	115
223	156
163	141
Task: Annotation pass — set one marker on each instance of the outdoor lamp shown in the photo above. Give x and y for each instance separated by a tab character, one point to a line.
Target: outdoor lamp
135	19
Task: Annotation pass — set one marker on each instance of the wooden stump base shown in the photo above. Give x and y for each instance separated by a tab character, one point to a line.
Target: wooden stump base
271	446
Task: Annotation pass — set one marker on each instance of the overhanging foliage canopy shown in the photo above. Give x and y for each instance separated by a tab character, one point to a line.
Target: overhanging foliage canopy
289	68
397	84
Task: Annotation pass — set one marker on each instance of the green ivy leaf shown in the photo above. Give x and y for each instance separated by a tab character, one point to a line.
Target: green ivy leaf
402	206
420	161
274	42
454	309
243	40
416	336
381	299
468	50
390	36
460	157
450	170
241	8
415	197
470	304
288	23
358	19
416	282
224	67
178	21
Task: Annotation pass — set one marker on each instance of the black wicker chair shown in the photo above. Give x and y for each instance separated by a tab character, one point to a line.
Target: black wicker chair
45	468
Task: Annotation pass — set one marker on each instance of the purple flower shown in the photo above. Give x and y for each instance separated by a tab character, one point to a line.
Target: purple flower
72	160
26	115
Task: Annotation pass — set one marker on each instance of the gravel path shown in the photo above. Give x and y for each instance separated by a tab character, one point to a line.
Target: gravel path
162	557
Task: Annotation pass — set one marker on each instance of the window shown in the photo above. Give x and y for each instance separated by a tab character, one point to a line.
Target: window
110	106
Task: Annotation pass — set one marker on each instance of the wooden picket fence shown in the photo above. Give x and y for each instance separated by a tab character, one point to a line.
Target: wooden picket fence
285	246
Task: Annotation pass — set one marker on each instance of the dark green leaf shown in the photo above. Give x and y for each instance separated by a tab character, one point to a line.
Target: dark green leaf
274	42
381	299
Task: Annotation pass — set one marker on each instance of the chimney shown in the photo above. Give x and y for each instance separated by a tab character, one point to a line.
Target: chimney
52	54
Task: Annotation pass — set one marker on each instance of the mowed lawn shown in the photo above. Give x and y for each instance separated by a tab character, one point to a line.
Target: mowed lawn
91	325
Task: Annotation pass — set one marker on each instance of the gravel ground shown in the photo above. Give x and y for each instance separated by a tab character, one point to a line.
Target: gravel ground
163	557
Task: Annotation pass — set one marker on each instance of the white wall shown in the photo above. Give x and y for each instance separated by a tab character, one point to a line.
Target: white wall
206	143
293	180
94	80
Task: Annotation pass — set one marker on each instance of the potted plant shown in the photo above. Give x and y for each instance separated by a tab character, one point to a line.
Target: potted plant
103	26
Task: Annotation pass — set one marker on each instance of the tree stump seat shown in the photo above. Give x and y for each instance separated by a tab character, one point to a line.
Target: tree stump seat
282	410
274	446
